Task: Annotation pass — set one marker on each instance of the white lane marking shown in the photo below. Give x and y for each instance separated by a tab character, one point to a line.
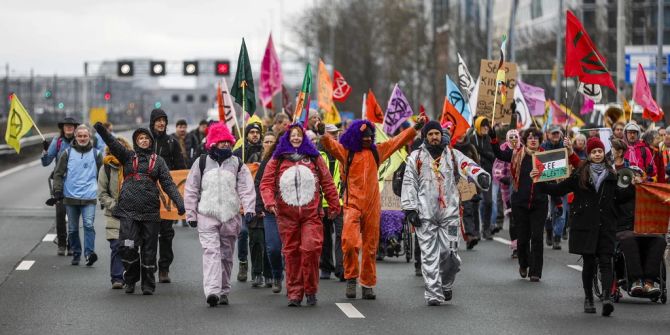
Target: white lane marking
19	168
49	238
502	240
349	310
576	267
25	265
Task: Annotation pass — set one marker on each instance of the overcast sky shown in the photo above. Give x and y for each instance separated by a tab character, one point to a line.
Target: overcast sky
56	37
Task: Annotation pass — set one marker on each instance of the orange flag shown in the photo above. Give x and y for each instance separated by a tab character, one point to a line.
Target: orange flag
219	102
459	126
372	110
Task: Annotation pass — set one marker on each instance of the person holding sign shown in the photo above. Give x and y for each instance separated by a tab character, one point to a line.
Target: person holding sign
217	185
138	207
594	185
431	178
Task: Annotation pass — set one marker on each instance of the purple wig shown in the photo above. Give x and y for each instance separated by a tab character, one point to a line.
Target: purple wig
285	147
352	139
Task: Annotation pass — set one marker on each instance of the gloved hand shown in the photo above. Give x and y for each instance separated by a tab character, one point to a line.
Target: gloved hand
492	133
51	202
505	181
249	217
45	145
484	181
58	196
181	211
320	128
420	122
98	125
193	224
413	218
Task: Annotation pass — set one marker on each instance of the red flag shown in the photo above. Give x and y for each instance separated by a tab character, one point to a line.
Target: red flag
459	124
581	57
219	103
422	112
372	110
341	89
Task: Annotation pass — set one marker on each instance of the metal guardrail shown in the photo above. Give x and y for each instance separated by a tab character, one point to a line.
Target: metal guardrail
37	139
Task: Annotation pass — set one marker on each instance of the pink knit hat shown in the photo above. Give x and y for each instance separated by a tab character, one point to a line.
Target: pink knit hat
218	132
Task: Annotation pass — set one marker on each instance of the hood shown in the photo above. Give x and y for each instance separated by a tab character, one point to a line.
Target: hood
136	147
284	146
481	121
352	139
155	115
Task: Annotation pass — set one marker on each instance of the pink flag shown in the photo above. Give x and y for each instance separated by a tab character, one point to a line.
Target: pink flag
534	97
271	76
587	107
642	93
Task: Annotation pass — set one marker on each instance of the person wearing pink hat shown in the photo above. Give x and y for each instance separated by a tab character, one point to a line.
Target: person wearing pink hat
216	187
592	236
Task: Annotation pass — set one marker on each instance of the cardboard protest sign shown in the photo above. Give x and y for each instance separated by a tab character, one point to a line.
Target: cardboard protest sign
390	201
552	164
466	189
487	90
168	208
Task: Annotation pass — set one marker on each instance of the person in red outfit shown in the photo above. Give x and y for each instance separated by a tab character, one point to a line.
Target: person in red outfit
291	188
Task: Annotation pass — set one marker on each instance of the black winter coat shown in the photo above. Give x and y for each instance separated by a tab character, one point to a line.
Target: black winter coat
252	152
527	195
593	216
139	199
194	145
165	145
485	151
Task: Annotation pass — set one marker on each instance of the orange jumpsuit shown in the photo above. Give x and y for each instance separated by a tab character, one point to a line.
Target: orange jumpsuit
362	209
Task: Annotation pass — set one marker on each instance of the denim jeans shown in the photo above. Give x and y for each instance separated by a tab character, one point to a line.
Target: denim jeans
495	189
87	213
273	245
115	263
243	243
484	210
558	221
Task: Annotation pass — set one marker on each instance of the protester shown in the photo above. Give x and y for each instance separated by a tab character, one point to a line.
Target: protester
593	227
333	226
194	141
216	186
291	189
180	135
251	234
75	186
138	207
653	139
558	207
579	146
638	154
280	123
431	177
502	179
110	179
273	245
168	148
51	151
360	157
480	139
617	130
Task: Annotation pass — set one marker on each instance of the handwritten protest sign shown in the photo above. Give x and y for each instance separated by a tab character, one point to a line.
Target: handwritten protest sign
487	90
390	201
466	189
552	164
168	208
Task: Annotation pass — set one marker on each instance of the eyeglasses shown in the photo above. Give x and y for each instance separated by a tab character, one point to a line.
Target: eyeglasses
533	137
268	142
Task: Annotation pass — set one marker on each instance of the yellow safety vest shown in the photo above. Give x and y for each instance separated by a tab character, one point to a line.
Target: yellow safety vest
336	177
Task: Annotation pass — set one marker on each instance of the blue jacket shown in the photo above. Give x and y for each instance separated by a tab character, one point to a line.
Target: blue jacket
76	175
54	150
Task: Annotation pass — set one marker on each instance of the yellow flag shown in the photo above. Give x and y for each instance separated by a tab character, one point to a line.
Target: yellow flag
628	110
387	167
19	123
332	116
500	82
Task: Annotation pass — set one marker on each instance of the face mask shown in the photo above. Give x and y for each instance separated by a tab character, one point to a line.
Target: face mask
221	154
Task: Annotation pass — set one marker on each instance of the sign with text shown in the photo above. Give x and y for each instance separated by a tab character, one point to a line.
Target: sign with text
552	164
168	207
487	90
466	189
390	201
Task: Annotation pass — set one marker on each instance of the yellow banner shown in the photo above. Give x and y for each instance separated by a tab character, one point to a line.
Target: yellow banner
332	116
97	114
387	167
19	123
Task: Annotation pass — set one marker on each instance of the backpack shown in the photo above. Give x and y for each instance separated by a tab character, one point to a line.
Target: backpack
398	176
202	163
137	174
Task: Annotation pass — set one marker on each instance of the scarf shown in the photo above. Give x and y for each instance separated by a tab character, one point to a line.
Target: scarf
435	150
111	160
598	174
220	155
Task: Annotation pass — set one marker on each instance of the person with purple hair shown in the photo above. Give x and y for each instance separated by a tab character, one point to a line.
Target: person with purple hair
361	158
291	189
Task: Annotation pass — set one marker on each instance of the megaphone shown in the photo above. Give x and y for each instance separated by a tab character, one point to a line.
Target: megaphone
625	177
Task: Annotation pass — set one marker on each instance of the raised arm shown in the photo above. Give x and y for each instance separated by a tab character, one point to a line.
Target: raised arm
467	168
334	147
116	148
503	155
386	149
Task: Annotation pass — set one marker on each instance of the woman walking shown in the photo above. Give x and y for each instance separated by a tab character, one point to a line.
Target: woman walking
291	188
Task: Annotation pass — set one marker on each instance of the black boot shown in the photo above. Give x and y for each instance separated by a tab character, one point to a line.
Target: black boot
589	307
608	306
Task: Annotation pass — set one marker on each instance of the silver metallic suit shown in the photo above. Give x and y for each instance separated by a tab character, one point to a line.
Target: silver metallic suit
429	187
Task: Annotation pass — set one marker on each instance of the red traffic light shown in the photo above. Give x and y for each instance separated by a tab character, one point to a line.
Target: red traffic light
107	96
222	68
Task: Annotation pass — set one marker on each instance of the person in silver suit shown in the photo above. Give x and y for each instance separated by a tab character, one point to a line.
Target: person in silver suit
431	202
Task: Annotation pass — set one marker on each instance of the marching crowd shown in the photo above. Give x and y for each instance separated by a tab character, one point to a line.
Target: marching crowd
302	202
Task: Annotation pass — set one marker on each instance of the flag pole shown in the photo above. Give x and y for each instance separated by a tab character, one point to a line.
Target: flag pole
495	100
244	110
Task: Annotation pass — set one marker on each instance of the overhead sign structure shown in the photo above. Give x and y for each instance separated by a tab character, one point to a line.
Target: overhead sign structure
552	164
646	56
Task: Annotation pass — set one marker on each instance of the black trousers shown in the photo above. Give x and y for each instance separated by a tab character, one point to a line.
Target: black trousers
61	225
529	224
138	242
604	262
513	234
643	256
260	265
471	217
165	237
326	263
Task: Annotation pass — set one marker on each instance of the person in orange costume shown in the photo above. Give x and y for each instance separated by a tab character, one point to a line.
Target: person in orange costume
360	159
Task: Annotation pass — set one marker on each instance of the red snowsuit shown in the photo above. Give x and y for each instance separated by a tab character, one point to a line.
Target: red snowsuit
362	208
295	189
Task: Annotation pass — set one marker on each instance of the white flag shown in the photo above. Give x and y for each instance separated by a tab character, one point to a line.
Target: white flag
465	80
473	102
592	91
231	117
524	114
